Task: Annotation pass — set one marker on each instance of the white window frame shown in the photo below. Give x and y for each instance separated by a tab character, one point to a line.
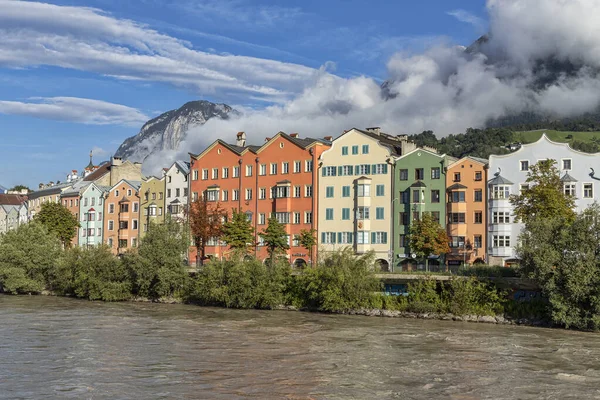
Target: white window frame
591	196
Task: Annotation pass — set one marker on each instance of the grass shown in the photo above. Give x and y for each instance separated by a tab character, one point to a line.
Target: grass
557	136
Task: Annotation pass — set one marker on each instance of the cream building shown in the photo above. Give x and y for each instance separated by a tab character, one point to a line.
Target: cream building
355	187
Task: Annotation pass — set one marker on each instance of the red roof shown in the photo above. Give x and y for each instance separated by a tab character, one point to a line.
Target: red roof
12	199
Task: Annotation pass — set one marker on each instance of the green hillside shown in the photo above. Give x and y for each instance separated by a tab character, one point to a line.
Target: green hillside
557	136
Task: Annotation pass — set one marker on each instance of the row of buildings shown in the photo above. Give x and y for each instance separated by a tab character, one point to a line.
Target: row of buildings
364	190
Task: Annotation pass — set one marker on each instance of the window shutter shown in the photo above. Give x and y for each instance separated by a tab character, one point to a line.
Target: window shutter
384	238
368	169
385	167
356	169
322	237
340	171
373	237
339	237
351	237
374	168
333	237
323	171
349	169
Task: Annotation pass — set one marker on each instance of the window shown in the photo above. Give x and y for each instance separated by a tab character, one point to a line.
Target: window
225	173
91	232
262	193
379	213
365	149
435	196
345	214
296	241
185	192
212	195
285	167
362	237
308	217
419	174
329	171
354	150
235	194
379	169
478	217
124	208
328	237
85	202
363	169
225	195
262	169
94	199
111	225
477	242
456	218
195	175
566	164
308	166
404	218
297	191
345	170
282	192
525	165
329	191
380	190
134	224
168	193
478	176
523	187
282	217
478	195
160	195
416	196
194	196
151	211
501	241
308	191
297	166
501	217
501	192
248	170
261	219
436	216
379	237
153	196
122	243
363	190
403	175
569	189
416	216
110	242
344	150
457	242
362	213
588	190
123	225
402	242
248	194
405	197
273	168
345	238
457	177
329	214
215	173
204	174
435	173
345	191
296	217
236	172
457	196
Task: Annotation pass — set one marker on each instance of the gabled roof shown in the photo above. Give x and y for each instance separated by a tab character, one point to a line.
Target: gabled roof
134	184
12	199
77	188
418	184
568	178
499	180
99	173
182	166
441	156
456	186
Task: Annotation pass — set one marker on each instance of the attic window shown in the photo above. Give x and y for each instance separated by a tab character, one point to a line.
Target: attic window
281	145
218	151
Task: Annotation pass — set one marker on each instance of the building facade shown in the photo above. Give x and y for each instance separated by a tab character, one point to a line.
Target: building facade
419	187
508	175
176	190
152	193
122	216
276	179
466	190
91	219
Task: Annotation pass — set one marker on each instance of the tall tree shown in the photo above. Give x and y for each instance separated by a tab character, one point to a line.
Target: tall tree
206	222
427	237
58	220
545	196
238	232
308	240
275	238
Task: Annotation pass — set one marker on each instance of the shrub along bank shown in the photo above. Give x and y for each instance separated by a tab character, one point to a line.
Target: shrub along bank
31	261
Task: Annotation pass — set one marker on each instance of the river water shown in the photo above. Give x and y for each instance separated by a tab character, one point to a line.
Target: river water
63	348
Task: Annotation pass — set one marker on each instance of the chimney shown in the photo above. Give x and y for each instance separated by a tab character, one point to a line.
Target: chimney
241	139
376	130
115	161
267	139
294	135
328	138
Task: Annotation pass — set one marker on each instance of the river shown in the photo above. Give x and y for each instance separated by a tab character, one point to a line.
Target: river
63	348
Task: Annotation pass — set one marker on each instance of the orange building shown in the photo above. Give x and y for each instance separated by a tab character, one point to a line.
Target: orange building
466	183
278	178
121	216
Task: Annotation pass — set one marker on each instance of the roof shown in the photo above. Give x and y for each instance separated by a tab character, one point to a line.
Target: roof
499	180
418	184
56	189
102	170
183	166
9	208
12	199
77	188
568	178
385	139
456	186
545	138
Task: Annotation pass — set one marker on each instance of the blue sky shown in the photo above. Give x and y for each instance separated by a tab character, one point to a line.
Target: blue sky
81	75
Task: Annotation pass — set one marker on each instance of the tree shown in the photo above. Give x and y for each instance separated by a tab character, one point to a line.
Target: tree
238	232
308	240
544	197
206	222
275	238
427	237
58	220
18	188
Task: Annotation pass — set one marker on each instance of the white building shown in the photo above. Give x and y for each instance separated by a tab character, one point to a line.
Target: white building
508	175
176	189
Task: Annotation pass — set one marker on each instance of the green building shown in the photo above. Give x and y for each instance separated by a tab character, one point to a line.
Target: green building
419	187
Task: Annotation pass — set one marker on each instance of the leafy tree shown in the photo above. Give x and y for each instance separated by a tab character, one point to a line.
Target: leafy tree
206	222
18	188
427	237
545	197
563	257
27	256
238	232
308	240
275	238
157	269
59	221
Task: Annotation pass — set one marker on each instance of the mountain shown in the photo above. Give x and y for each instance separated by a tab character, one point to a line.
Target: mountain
169	129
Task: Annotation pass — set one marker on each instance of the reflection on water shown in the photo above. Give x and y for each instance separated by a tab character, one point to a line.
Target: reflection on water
63	348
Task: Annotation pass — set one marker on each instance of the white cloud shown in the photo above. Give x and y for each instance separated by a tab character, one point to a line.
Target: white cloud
36	34
99	152
468	18
74	109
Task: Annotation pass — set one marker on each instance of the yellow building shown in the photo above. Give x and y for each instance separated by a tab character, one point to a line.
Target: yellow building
152	193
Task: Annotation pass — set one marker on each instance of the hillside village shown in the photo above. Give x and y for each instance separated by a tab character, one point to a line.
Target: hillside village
363	189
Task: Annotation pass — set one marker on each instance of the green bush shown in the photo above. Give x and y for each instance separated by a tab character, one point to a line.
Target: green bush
485	271
27	256
471	296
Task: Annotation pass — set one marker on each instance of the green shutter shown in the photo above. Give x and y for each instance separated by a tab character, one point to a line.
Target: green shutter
339	237
356	170
384	238
368	169
351	237
374	169
385	166
373	237
322	237
333	237
349	169
340	171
